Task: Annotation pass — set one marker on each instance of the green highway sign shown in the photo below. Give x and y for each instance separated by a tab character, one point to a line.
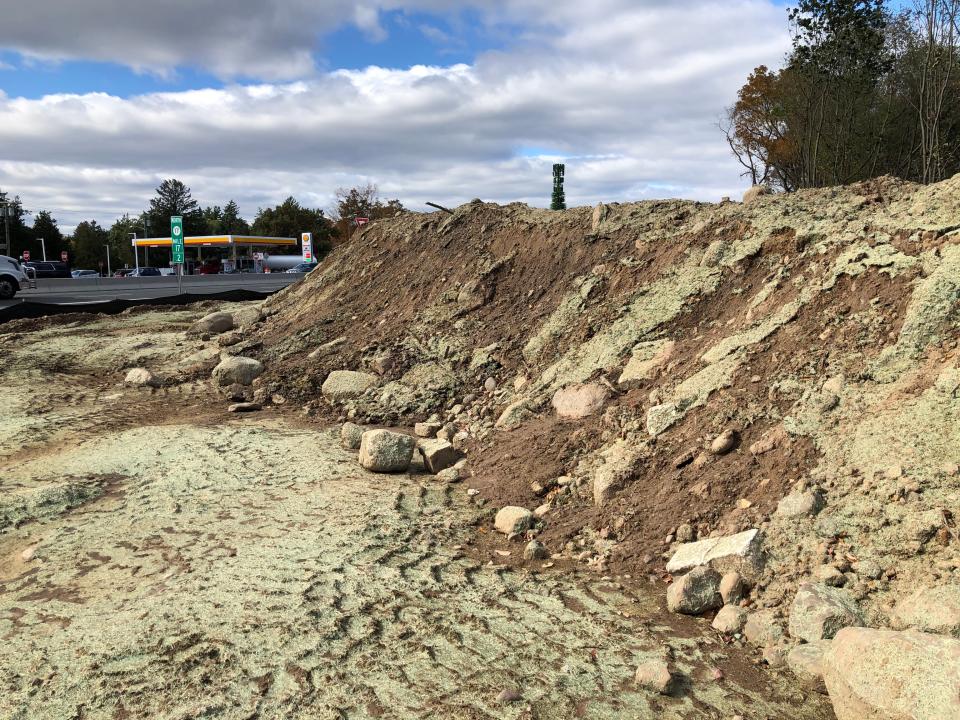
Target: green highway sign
176	238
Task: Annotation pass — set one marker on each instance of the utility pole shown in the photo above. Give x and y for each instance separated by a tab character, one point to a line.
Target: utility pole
5	204
43	249
136	255
109	271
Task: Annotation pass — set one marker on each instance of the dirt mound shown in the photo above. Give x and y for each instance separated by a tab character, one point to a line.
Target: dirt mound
819	328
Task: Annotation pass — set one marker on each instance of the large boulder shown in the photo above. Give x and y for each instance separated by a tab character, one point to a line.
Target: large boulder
383	451
889	675
580	401
818	612
237	370
741	553
935	610
438	455
214	323
343	385
512	519
695	593
621	462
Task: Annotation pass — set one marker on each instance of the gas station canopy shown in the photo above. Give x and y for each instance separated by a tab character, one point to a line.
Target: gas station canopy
218	241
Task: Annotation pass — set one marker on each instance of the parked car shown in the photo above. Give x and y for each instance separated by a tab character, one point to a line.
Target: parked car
145	272
303	267
122	272
50	269
167	271
209	267
84	273
12	277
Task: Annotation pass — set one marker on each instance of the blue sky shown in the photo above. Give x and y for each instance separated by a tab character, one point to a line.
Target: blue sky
428	99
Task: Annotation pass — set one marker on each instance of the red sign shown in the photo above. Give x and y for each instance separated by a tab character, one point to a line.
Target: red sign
26	255
361	221
64	257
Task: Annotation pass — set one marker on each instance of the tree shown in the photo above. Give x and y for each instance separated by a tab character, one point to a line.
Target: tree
21	235
363	201
174	198
558	201
225	221
120	240
88	246
290	219
44	226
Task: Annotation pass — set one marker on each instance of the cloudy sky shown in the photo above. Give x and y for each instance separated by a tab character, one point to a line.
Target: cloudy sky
256	100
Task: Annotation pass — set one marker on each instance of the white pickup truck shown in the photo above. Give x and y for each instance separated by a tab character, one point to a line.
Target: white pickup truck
12	277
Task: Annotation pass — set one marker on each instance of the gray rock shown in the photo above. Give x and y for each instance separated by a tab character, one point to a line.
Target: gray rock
450	475
514	415
818	612
724	442
438	455
742	553
763	629
935	610
695	593
756	192
868	569
141	377
655	676
513	519
580	401
806	662
237	369
888	675
829	575
685	533
384	451
800	504
427	429
343	385
535	550
730	620
213	324
350	435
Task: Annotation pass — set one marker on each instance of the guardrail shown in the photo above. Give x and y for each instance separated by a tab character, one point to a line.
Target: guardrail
265	282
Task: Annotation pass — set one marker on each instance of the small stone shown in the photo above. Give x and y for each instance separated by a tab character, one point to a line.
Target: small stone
800	504
580	401
894	472
509	695
512	519
141	377
762	629
438	454
242	407
350	435
775	656
695	593
28	554
724	442
535	550
868	569
427	429
951	469
542	510
449	475
490	384
655	676
685	533
732	588
730	620
829	575
744	504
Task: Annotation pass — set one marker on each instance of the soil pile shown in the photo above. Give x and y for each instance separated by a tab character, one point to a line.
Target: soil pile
658	372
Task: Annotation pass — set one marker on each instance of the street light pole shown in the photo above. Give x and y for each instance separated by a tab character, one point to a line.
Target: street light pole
5	204
43	249
136	255
109	271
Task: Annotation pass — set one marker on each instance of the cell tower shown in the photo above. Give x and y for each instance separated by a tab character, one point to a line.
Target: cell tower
559	200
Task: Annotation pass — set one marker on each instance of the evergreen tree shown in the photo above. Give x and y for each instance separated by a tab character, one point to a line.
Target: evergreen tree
44	226
21	234
174	198
120	240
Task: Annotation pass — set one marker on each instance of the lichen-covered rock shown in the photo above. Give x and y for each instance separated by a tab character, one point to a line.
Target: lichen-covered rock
655	676
741	553
438	455
343	385
889	675
695	593
237	370
935	610
800	504
806	662
818	612
141	377
383	451
350	435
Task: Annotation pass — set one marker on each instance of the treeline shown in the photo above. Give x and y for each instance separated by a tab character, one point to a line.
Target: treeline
87	246
866	90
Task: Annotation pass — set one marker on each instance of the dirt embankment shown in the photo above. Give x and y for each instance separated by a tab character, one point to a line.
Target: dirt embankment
820	329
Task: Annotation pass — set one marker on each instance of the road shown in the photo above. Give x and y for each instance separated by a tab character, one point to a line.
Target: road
98	290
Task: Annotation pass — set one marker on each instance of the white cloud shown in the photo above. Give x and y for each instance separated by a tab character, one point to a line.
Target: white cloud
629	92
